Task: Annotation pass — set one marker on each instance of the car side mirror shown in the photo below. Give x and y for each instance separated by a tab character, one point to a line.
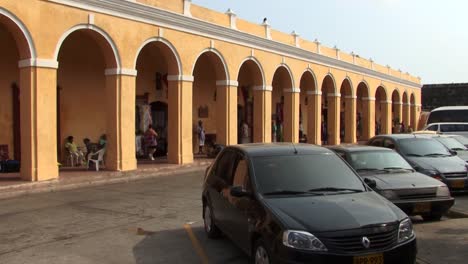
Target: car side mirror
239	191
370	182
453	152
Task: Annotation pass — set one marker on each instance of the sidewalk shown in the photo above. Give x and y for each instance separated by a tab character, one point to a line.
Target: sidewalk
460	208
72	179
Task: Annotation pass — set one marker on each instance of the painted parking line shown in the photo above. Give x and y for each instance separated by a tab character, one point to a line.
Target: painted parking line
196	244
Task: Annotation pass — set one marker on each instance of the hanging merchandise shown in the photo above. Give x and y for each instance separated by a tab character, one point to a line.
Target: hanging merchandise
146	118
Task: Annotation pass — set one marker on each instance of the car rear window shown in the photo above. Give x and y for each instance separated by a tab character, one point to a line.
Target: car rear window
377	160
303	172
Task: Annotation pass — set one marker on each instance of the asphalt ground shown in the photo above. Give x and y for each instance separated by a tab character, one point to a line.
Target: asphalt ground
152	221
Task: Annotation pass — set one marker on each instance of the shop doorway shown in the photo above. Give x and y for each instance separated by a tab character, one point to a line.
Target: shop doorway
159	117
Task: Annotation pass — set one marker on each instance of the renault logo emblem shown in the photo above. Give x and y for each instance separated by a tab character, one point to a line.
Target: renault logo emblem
365	242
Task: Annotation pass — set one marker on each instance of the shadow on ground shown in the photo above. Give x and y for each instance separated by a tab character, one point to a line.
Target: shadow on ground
175	246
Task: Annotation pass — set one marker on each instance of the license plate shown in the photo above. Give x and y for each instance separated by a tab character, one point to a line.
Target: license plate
369	259
422	208
460	184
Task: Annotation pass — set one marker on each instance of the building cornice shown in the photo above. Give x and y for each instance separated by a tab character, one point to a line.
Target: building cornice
152	15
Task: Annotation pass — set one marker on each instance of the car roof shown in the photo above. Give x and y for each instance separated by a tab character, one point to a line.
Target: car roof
403	136
279	149
450	108
447	123
357	148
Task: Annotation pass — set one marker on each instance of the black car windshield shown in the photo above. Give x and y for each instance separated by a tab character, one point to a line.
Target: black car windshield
451	143
378	160
461	139
423	147
304	173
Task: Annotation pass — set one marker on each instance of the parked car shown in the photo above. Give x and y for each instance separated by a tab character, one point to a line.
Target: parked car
285	203
396	180
449	128
461	139
427	156
453	145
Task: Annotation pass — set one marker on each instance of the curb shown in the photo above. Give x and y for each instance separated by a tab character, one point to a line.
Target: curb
457	214
116	177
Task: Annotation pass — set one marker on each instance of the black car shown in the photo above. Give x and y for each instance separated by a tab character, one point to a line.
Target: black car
461	139
450	142
427	156
393	177
285	203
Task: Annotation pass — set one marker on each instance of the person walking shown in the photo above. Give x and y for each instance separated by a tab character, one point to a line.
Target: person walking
151	142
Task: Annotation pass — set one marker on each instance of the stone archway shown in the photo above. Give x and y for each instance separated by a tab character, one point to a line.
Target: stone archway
307	118
249	106
209	72
155	62
362	112
330	112
16	49
396	112
282	106
406	112
347	103
86	84
382	112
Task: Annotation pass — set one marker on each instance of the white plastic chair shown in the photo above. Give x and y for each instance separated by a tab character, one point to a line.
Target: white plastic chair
100	158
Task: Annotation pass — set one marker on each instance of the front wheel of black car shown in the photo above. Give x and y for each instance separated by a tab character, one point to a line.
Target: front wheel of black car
261	254
211	229
432	217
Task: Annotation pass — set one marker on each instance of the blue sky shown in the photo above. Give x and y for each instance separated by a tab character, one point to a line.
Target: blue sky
427	38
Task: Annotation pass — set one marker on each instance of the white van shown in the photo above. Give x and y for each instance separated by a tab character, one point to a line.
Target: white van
448	114
456	128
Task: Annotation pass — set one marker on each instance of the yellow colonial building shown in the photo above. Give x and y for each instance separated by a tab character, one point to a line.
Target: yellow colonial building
92	67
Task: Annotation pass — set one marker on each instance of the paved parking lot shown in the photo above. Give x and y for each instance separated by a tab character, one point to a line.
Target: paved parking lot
151	221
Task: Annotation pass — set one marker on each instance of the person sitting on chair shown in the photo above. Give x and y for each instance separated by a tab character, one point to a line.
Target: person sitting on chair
74	151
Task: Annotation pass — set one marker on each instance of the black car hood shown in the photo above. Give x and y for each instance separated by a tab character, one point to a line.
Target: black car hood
463	154
334	212
442	164
404	180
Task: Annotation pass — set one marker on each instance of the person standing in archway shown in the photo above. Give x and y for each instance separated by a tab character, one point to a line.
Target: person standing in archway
151	141
201	137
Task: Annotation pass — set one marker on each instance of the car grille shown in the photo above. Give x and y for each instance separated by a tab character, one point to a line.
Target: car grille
380	239
455	175
415	194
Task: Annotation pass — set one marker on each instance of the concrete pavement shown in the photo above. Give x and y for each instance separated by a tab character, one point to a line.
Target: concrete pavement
460	208
145	222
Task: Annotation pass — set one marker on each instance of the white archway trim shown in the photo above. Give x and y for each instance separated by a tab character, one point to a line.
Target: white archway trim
309	70
268	88
180	78
40	63
227	83
366	84
289	71
368	98
333	80
386	102
384	88
220	56
350	97
353	92
293	90
334	95
165	42
24	30
96	29
118	71
256	61
314	92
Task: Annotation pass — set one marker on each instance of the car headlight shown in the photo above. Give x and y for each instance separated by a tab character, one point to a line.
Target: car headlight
432	173
389	194
443	191
302	240
405	231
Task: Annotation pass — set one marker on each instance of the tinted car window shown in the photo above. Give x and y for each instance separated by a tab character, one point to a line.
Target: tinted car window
225	166
388	143
432	128
241	174
422	147
448	116
377	160
451	143
303	172
453	127
378	142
